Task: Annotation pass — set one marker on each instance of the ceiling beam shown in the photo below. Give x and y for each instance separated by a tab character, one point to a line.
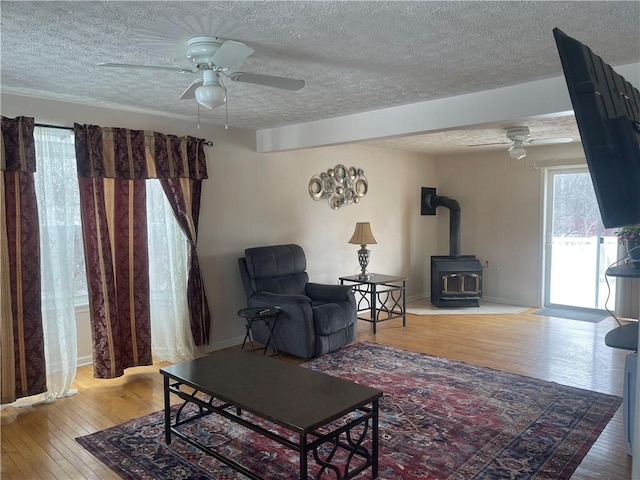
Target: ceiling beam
533	99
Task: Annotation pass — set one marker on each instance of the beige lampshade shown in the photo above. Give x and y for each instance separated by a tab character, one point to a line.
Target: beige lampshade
362	235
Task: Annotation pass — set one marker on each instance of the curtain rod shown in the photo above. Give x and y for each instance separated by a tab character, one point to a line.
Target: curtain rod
208	143
44	125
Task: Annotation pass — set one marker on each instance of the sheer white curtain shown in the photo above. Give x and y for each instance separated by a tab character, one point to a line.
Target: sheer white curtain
59	220
171	338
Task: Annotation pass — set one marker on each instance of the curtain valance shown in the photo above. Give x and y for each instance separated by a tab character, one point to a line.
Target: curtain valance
138	154
18	150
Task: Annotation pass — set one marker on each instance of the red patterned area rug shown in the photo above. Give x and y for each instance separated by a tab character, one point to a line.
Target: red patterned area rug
439	419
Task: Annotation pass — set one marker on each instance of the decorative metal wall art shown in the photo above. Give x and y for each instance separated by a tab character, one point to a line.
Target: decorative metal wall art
339	185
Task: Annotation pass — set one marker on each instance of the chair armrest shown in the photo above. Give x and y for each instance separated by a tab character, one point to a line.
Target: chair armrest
295	332
328	293
260	299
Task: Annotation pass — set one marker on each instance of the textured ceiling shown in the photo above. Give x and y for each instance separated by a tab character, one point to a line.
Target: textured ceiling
354	56
493	137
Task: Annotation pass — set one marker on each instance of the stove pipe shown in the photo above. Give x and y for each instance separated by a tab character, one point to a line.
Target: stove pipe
434	201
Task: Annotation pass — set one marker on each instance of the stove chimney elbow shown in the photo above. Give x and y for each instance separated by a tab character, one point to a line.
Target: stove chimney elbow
436	201
454	220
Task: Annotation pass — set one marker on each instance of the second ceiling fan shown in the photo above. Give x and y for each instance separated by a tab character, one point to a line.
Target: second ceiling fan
519	136
214	56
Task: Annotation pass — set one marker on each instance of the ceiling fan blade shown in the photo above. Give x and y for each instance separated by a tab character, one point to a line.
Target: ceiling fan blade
148	67
230	53
487	144
550	140
267	80
190	92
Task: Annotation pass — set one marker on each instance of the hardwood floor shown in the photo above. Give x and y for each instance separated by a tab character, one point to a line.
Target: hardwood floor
39	442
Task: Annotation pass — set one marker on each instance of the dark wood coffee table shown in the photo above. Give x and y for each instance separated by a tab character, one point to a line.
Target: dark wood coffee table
302	401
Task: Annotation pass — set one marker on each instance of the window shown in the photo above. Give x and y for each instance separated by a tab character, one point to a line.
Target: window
59	211
59	208
62	253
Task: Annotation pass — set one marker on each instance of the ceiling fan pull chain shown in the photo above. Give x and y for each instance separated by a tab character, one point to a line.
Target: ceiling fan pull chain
226	106
198	115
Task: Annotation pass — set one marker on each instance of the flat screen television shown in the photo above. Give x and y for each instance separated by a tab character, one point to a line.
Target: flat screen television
607	110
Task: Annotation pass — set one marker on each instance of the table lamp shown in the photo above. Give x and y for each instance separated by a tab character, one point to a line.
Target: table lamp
362	236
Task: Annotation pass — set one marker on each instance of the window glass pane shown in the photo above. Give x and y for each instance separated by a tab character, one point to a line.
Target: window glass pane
56	181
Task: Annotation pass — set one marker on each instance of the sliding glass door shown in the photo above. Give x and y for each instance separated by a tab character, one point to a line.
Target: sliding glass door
578	249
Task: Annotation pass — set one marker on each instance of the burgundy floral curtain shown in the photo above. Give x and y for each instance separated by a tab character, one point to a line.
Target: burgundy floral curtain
23	370
184	197
181	167
113	164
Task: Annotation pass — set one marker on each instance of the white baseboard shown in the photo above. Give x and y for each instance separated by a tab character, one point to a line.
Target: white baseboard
419	296
85	360
230	342
506	301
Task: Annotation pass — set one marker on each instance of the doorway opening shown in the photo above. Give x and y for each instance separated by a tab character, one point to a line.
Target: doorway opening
578	249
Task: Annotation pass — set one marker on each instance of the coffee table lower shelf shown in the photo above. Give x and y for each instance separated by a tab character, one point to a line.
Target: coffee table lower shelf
317	440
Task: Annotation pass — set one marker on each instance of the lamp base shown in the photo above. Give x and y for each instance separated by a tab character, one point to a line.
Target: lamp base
363	260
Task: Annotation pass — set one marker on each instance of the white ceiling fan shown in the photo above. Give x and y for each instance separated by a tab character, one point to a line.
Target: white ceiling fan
214	56
518	137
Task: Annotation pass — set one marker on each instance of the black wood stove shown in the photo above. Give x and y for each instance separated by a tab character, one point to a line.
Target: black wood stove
456	280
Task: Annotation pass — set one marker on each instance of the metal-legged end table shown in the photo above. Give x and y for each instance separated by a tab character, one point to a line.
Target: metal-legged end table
381	296
269	315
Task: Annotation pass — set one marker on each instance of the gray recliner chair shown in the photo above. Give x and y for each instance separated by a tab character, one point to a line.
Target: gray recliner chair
315	318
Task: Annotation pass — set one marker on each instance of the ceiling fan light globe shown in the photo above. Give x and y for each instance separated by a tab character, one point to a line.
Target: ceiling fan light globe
517	151
210	96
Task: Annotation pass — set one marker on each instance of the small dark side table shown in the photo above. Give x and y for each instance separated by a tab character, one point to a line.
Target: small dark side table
381	296
269	315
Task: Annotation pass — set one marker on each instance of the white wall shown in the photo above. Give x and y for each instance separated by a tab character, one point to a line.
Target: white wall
501	215
253	199
263	199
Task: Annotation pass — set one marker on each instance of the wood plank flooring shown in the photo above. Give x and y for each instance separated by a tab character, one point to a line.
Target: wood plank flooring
39	442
